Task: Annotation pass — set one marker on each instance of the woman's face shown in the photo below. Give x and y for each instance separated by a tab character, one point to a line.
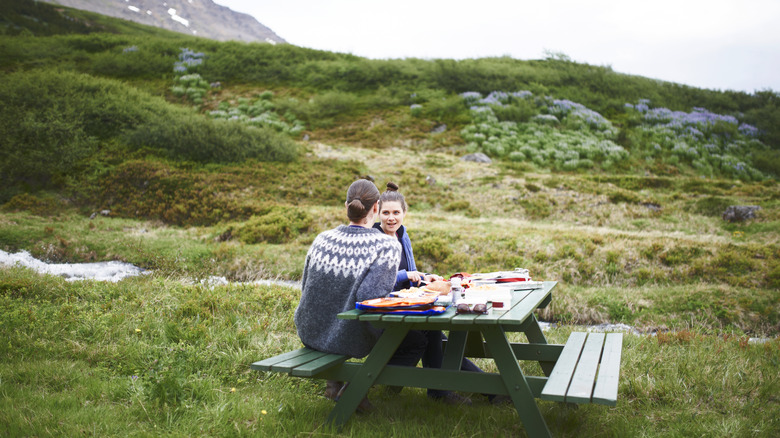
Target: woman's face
391	217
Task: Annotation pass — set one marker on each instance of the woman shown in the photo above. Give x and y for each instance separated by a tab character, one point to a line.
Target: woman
345	265
392	211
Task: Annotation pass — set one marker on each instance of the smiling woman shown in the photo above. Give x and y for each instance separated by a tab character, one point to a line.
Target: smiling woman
392	210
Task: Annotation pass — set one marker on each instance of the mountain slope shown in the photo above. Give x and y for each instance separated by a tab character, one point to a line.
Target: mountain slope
202	18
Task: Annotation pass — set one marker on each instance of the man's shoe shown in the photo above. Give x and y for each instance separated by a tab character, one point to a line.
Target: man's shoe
364	406
333	389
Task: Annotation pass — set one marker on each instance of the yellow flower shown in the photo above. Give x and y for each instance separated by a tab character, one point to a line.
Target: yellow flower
138	330
232	389
263	412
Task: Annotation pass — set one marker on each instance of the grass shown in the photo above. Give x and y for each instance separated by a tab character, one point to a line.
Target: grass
153	355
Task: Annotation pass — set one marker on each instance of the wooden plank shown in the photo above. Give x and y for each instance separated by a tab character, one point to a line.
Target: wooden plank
520	311
494	315
465	319
286	366
318	365
581	387
560	378
606	389
350	314
265	364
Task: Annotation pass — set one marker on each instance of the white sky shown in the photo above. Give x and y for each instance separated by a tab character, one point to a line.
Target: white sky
716	44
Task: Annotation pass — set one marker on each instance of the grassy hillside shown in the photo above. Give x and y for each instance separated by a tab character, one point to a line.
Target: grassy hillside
227	159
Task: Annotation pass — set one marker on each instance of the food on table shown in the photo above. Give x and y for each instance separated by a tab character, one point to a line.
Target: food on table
441	287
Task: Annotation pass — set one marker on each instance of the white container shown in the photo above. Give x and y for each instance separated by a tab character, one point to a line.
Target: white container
502	301
455	290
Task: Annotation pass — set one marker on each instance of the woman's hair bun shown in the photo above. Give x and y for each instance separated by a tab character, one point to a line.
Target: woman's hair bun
356	205
392	186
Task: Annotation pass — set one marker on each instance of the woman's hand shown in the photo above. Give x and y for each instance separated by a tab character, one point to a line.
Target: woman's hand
414	276
432	277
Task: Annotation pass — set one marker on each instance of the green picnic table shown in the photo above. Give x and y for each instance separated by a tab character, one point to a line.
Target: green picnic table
584	370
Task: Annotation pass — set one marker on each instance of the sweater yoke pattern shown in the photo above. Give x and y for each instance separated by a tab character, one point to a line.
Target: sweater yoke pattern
348	255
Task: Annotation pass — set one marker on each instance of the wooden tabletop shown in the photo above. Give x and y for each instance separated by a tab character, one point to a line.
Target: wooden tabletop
524	302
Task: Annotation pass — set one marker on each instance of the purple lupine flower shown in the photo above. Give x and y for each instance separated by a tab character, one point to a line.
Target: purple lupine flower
748	130
522	94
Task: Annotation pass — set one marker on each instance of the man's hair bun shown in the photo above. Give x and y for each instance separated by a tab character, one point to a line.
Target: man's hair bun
391	186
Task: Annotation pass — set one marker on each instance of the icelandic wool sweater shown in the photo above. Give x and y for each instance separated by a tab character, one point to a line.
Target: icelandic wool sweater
343	266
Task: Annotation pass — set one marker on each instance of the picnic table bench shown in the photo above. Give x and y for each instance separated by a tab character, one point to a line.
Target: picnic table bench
584	370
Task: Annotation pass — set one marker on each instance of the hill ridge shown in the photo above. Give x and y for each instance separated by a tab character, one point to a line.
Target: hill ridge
202	18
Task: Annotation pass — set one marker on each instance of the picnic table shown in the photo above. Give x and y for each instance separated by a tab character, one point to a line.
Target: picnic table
584	370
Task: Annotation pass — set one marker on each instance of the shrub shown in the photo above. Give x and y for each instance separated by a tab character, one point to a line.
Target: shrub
186	135
711	205
681	255
537	207
433	248
457	206
261	113
34	204
620	195
280	224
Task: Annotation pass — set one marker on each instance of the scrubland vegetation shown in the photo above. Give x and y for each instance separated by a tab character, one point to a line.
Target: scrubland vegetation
227	159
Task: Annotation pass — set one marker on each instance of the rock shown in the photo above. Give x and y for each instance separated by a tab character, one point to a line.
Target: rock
430	180
740	213
652	206
93	215
305	137
439	129
105	212
224	237
477	157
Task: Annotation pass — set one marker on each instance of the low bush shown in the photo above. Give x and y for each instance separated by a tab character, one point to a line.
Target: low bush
620	195
432	249
189	136
280	224
38	205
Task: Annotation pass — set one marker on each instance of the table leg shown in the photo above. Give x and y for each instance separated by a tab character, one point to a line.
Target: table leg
453	354
515	382
365	376
535	336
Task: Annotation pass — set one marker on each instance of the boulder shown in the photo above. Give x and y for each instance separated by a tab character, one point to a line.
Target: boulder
477	157
740	213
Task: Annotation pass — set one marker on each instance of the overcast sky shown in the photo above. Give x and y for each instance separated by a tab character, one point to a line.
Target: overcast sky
716	44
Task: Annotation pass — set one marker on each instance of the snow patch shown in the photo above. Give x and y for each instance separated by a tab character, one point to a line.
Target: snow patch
174	17
112	271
